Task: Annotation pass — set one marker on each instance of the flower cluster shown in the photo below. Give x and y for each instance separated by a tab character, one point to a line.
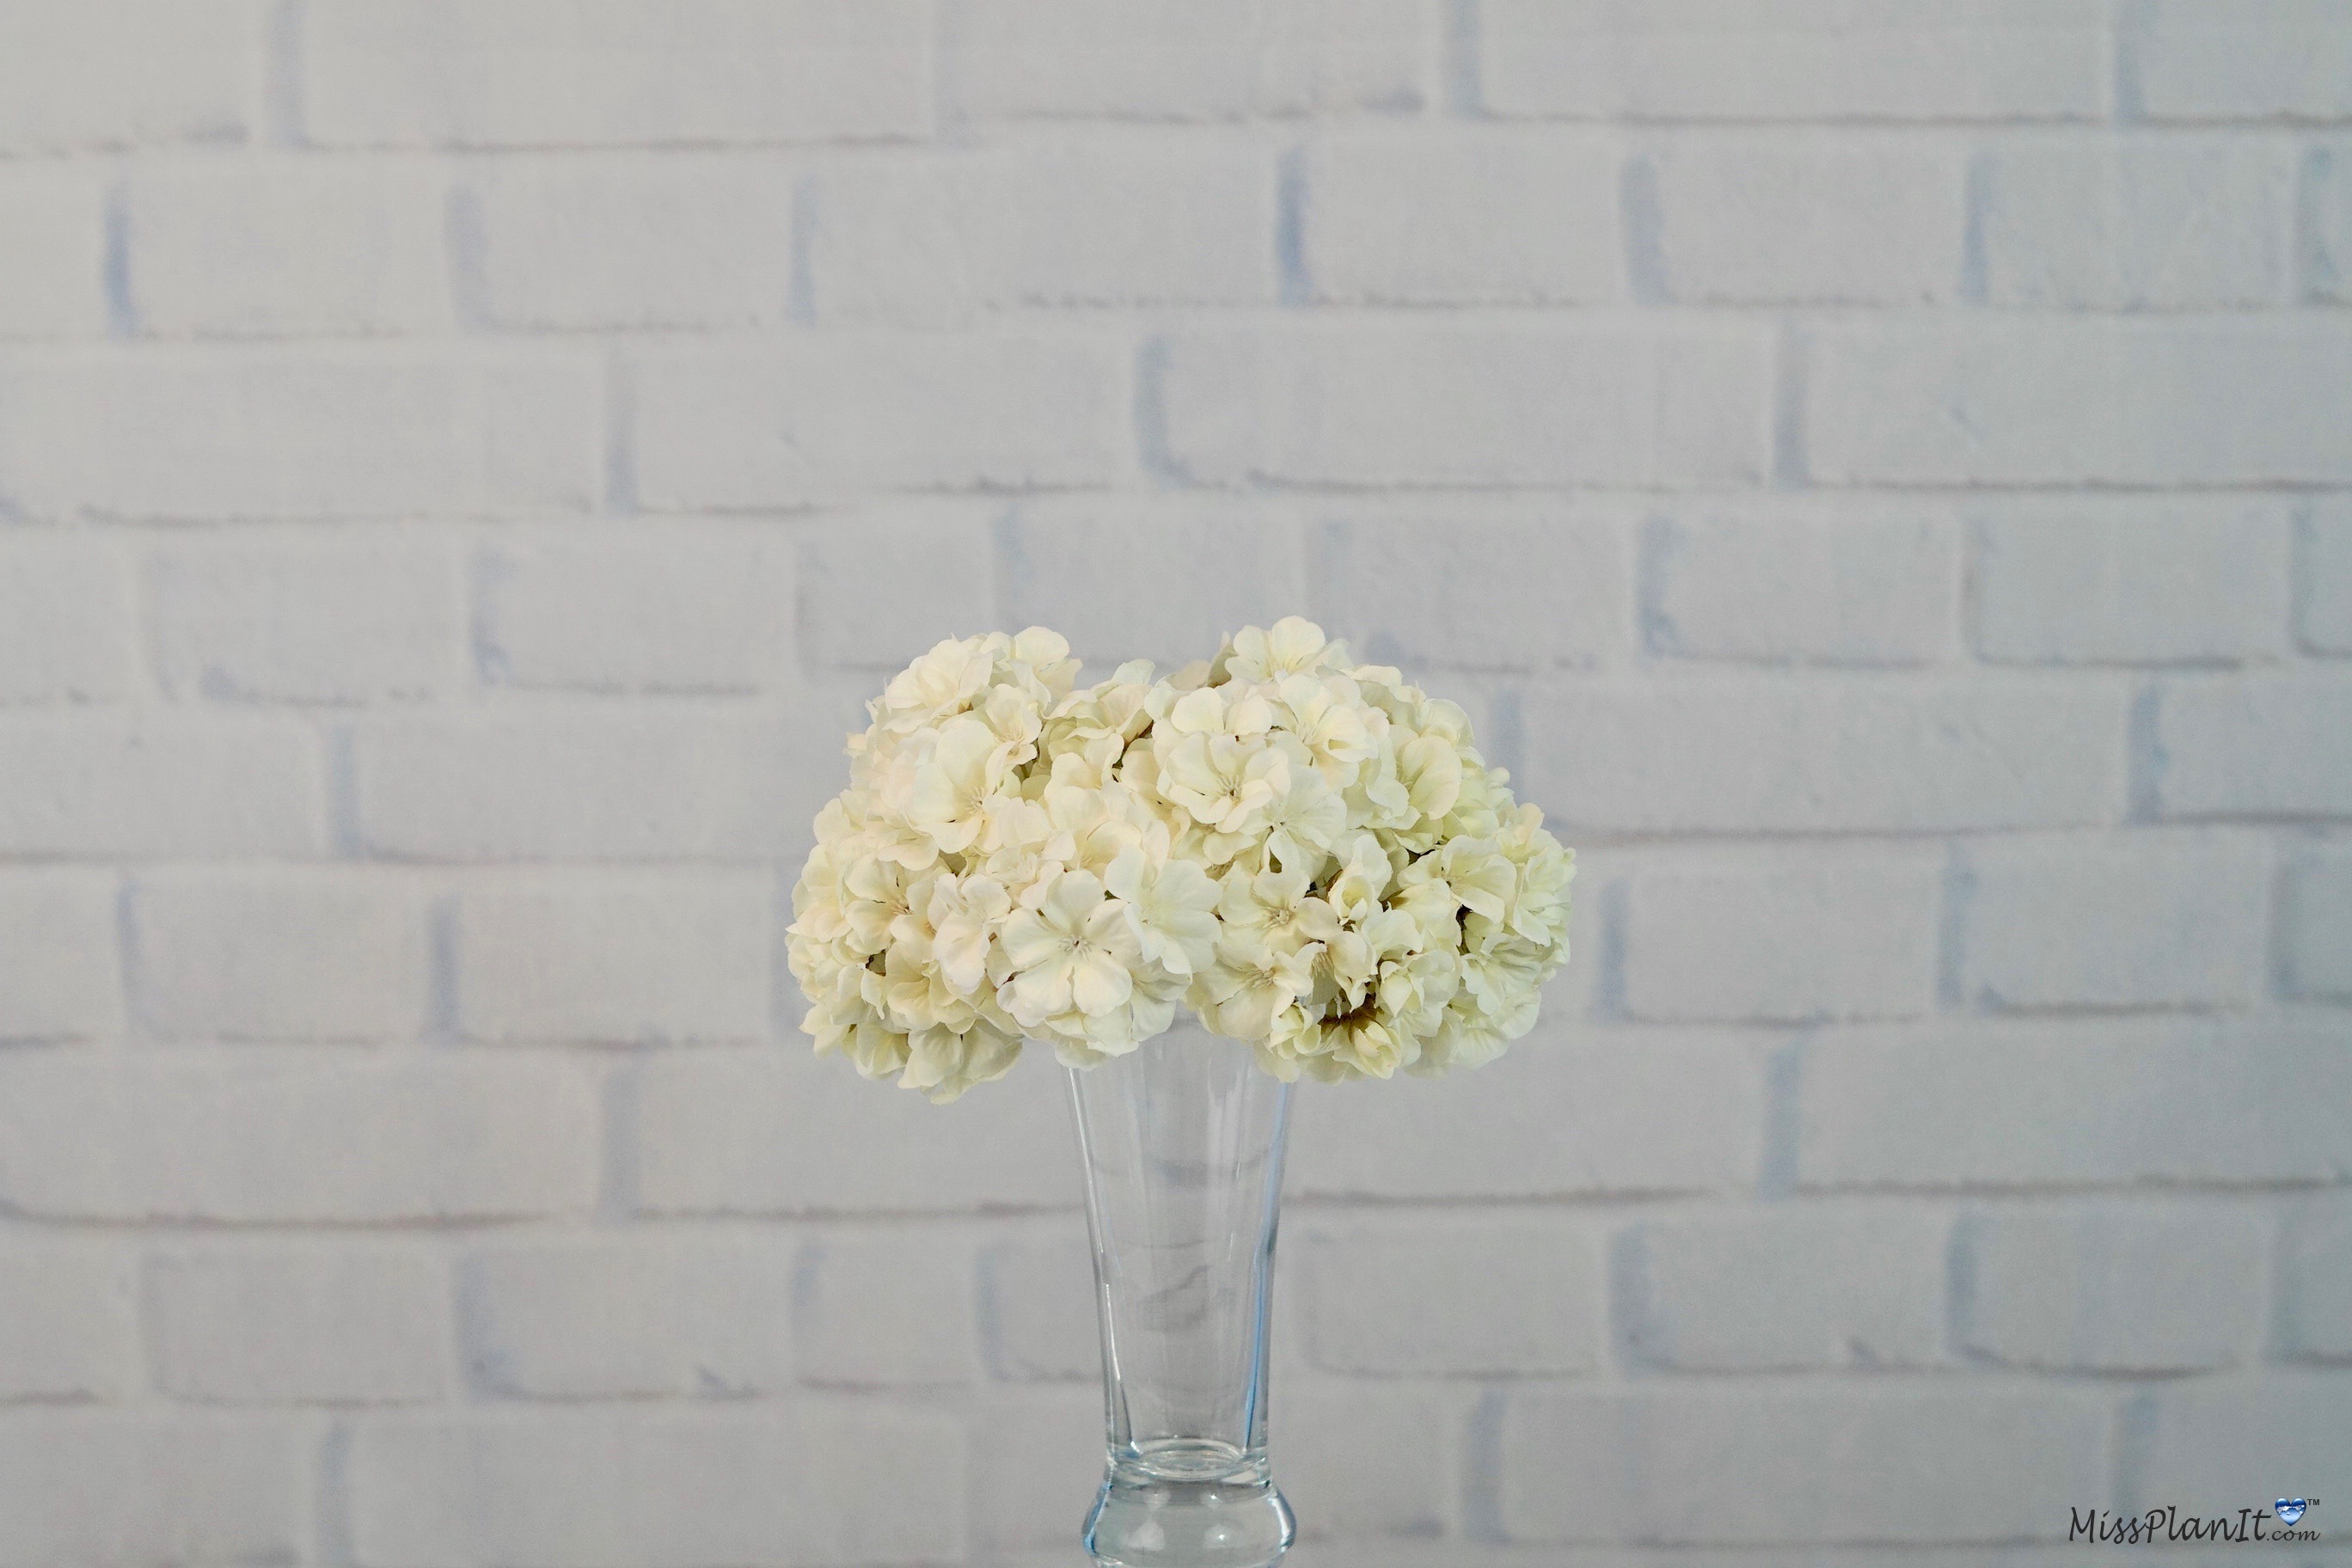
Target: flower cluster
1308	852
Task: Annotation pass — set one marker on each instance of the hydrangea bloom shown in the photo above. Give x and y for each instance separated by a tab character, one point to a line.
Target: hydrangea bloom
1308	852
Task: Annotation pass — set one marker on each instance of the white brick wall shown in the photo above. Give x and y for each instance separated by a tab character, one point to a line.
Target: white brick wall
1879	474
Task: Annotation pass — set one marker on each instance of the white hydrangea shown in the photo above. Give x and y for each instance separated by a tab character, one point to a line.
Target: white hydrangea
1308	852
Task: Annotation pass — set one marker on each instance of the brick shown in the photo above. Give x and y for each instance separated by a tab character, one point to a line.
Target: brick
157	786
52	250
1784	943
69	622
1997	403
1362	1461
68	1321
669	241
624	611
1156	59
1838	1289
1415	405
615	961
2112	1290
307	432
60	959
118	76
1162	577
1862	590
2257	748
2133	921
1623	1466
630	1318
1037	1307
265	955
706	785
761	1133
2314	1289
339	623
342	1326
2325	238
2080	1104
2153	582
834	414
287	247
1474	1296
1808	220
878	590
1446	218
1859	757
614	72
2153	223
658	1489
2323	579
1455	586
886	1310
2239	59
937	239
1819	60
268	1140
1667	1111
1036	1462
2215	1447
153	1491
2317	939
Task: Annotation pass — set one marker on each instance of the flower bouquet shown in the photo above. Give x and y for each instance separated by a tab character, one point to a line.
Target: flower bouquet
1306	852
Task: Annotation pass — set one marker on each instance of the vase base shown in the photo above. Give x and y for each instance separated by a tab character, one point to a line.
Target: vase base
1189	1505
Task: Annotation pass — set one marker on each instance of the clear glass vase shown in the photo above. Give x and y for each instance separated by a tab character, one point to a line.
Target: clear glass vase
1182	1142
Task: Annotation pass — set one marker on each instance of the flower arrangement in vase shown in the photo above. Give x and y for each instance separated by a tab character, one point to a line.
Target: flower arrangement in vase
1309	852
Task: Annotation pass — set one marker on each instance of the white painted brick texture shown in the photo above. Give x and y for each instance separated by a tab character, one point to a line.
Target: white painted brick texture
2323	579
68	619
1163	59
944	240
318	1324
151	72
617	612
70	1316
295	432
2159	223
1751	219
2166	923
2104	582
52	251
295	620
2113	1291
576	960
1785	943
1404	217
1502	1296
1878	474
2216	60
679	241
1866	590
299	247
1861	1288
587	1320
614	72
60	955
1811	60
263	956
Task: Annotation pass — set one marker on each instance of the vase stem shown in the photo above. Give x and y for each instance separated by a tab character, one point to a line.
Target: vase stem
1182	1142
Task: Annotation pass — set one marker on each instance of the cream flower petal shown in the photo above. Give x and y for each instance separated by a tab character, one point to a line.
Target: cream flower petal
1308	851
1099	982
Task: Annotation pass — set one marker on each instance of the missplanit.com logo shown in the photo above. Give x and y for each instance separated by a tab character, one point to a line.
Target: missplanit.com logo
2168	1526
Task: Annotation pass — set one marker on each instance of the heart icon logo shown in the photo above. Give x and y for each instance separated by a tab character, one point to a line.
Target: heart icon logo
2289	1510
